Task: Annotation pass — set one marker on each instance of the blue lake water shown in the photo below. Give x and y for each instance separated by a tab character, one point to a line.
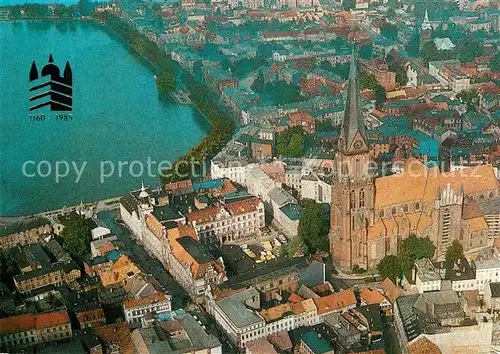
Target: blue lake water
117	116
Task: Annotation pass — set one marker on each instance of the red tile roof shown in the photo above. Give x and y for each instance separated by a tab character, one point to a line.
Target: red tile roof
243	206
17	324
335	302
51	319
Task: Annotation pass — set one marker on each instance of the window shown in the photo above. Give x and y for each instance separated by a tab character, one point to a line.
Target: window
382	213
361	198
353	199
406	208
417	206
394	211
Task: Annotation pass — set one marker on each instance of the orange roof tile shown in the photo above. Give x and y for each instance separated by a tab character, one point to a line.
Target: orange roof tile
91	315
197	270
391	291
423	346
275	312
419	182
294	298
156	297
155	226
17	324
335	302
243	206
477	224
204	216
118	333
51	319
119	271
371	296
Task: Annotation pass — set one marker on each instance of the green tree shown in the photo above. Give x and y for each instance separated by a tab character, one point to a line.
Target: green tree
418	247
468	49
314	225
165	80
380	95
368	81
85	7
14	12
389	267
348	4
454	252
401	76
291	248
389	31
429	52
470	98
290	143
495	62
76	235
414	248
366	51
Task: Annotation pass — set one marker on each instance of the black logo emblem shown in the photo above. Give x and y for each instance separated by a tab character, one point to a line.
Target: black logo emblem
49	88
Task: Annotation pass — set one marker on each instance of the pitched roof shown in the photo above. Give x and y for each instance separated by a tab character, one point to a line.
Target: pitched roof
243	206
418	182
391	291
423	346
156	297
260	345
371	296
335	302
17	324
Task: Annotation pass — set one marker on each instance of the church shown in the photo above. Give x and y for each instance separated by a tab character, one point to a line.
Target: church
371	216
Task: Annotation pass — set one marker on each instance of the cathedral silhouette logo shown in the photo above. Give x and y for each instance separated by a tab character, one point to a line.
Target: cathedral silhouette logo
49	88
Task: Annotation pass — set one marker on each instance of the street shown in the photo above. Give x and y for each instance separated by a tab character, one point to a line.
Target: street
144	261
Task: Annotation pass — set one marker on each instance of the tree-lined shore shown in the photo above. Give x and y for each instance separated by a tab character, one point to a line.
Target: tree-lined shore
222	124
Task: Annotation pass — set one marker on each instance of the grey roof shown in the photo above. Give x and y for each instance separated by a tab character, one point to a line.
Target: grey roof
196	339
57	251
27	224
487	264
408	316
436	298
353	115
426	270
234	307
490	207
281	196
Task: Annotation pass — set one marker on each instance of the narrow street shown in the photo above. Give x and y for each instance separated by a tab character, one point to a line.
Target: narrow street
146	262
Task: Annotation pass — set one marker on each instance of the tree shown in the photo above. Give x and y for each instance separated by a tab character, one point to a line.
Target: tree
389	31
418	247
296	244
76	235
429	52
468	49
366	51
314	225
348	4
290	143
379	95
368	81
495	62
85	7
14	12
389	267
470	98
454	252
165	80
401	76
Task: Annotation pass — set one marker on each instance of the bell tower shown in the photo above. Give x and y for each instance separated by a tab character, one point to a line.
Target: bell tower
353	190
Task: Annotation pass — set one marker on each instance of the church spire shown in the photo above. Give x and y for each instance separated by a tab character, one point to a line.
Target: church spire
352	137
426	25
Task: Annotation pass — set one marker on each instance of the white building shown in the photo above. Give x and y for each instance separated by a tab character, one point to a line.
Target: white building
229	222
135	309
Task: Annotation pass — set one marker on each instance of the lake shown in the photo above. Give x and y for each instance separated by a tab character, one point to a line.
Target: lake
117	116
